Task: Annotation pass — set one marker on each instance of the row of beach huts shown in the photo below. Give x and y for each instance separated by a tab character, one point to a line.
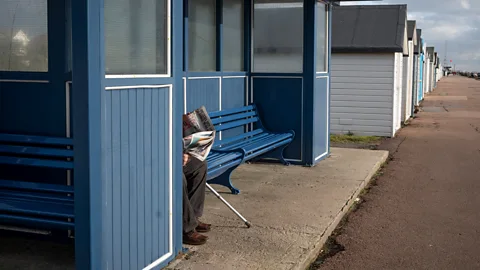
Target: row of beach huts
381	69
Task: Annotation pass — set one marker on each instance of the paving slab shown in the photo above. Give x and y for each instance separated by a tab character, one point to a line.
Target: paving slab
292	209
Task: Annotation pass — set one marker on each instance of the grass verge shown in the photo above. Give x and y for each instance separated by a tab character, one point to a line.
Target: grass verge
350	138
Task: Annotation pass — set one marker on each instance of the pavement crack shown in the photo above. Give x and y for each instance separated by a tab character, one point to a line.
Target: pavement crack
445	108
391	156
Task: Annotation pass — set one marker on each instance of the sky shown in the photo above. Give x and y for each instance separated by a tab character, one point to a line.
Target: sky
456	22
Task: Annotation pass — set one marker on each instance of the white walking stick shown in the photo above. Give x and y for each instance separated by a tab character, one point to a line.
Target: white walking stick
229	206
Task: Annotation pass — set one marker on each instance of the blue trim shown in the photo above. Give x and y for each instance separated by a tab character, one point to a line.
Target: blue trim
17	75
213	74
177	72
219	34
110	82
273	74
330	15
185	36
247	33
87	51
309	68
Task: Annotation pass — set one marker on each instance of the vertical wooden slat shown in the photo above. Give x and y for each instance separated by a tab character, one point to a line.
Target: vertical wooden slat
116	181
124	177
155	172
141	178
148	172
108	185
132	125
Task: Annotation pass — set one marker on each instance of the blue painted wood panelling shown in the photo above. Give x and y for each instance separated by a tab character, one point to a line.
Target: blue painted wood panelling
136	176
233	93
32	108
320	119
279	102
203	92
37	109
233	96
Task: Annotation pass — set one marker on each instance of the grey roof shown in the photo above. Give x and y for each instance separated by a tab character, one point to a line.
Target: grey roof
376	28
419	47
411	29
430	51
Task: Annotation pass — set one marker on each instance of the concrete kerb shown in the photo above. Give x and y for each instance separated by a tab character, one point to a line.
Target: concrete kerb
305	261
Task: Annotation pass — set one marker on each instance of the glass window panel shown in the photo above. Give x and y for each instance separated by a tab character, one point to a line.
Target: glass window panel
278	36
136	37
23	35
202	47
233	35
321	37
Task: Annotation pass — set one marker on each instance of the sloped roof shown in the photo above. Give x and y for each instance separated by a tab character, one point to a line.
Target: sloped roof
419	47
411	29
376	28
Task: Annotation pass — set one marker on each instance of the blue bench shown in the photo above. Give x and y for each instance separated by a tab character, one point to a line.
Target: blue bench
258	143
36	203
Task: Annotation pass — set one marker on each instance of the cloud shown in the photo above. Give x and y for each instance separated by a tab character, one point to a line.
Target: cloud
465	4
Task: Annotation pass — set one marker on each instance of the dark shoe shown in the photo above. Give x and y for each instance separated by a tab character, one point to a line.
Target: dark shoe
203	227
194	238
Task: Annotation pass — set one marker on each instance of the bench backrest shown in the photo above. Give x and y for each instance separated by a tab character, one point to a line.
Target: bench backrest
234	118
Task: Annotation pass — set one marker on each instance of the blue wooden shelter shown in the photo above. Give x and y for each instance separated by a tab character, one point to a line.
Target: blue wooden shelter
114	77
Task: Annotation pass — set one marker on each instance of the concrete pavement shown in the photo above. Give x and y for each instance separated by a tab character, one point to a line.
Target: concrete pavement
293	210
424	212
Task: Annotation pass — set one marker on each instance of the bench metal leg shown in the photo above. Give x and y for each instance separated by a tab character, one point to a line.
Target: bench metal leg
275	154
224	180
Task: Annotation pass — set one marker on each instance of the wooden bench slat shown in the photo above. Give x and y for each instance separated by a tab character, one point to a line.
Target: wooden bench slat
32	196
241	137
36	162
234	124
224	159
225	119
22	185
231	111
37	222
259	145
31	150
37	208
35	139
245	142
269	148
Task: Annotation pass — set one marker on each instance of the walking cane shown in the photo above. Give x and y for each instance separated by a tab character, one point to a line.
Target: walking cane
229	206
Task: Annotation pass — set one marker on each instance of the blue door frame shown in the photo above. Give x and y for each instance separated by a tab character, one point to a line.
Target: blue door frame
420	78
117	119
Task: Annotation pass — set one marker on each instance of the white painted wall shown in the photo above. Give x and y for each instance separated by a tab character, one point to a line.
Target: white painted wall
407	83
397	94
362	94
431	78
427	75
408	112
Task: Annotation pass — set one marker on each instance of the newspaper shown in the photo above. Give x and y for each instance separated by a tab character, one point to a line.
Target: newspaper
198	133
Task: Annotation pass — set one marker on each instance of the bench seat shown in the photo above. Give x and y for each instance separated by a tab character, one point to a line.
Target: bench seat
36	204
251	138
